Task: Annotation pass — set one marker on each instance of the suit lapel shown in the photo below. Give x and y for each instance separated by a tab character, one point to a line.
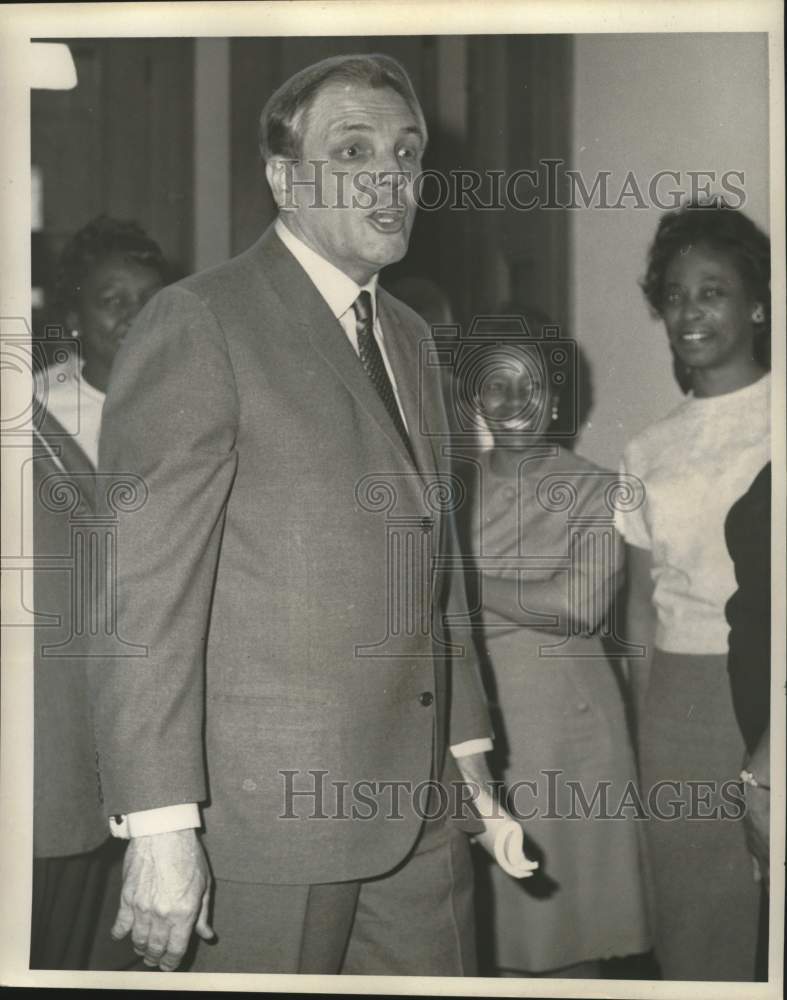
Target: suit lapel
310	312
310	316
403	353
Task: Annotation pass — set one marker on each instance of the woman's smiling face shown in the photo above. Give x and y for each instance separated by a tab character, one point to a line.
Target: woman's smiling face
707	310
112	293
512	394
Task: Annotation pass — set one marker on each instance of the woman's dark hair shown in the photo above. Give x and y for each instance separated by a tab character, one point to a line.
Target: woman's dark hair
714	224
100	239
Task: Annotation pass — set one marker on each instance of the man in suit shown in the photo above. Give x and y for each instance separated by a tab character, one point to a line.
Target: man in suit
277	412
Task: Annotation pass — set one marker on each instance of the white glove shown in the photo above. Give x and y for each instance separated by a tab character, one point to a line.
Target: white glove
503	837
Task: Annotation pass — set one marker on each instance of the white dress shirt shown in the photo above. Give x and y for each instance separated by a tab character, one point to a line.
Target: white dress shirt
339	292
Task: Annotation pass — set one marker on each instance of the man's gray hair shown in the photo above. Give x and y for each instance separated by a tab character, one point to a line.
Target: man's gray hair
283	119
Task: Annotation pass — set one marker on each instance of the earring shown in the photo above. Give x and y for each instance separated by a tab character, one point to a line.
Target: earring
758	314
555	409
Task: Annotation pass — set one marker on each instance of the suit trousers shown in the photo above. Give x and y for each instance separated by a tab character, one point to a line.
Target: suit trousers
416	920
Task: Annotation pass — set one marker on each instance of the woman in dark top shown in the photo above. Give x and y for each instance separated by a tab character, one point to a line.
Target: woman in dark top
748	534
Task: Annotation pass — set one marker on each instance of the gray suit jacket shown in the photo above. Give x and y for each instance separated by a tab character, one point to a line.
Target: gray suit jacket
261	561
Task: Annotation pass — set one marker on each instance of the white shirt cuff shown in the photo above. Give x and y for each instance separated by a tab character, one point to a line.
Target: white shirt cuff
482	745
166	819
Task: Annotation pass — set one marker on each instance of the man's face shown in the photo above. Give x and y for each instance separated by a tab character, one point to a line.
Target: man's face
353	186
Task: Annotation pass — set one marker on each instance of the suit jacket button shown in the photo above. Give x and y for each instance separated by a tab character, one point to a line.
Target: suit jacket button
426	698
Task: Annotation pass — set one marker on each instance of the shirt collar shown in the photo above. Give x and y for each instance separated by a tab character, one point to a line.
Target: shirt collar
338	290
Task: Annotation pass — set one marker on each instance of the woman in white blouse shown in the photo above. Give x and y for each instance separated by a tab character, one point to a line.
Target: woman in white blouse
107	271
708	280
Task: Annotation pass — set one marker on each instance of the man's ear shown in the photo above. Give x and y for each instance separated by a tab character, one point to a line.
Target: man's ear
72	322
278	170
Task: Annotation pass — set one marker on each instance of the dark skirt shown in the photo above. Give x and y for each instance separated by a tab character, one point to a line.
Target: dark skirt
75	901
705	900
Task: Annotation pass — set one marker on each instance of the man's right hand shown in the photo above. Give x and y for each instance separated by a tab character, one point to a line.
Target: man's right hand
165	895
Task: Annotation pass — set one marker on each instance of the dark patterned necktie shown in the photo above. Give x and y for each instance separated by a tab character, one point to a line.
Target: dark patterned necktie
373	364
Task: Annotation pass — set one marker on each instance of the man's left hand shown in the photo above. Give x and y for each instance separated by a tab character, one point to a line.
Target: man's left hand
165	896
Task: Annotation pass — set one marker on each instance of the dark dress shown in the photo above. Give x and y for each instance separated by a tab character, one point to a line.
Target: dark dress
76	866
560	710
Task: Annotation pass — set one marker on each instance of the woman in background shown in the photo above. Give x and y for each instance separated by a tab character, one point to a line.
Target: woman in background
108	270
708	280
748	534
560	716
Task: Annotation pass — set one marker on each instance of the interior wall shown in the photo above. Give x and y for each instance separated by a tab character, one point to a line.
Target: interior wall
119	143
164	131
212	181
646	103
